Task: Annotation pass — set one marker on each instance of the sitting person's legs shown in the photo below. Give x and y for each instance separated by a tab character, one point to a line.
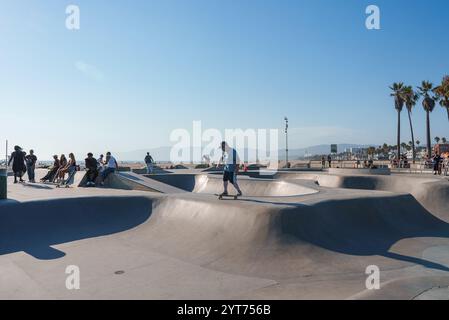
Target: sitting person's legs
92	176
106	172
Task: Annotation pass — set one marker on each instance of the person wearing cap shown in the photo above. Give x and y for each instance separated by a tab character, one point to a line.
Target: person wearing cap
231	160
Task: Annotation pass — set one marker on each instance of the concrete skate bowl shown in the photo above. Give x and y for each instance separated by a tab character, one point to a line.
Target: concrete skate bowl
432	193
35	226
295	240
288	243
213	184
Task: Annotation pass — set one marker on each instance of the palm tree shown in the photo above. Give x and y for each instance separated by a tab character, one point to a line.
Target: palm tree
437	140
404	146
397	89
410	99
442	92
444	140
428	104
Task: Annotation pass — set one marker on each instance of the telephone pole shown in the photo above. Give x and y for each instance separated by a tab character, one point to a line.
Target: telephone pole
6	154
286	141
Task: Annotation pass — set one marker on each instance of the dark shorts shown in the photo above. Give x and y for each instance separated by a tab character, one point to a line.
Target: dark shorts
229	176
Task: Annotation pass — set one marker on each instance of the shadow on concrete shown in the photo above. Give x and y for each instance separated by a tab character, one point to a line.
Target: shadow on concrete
36	186
35	226
365	226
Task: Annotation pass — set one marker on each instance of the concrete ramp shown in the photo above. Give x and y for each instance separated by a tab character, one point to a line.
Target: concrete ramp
140	182
35	226
333	236
186	244
292	246
213	184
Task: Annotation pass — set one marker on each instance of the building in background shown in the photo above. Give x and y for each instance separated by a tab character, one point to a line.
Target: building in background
441	148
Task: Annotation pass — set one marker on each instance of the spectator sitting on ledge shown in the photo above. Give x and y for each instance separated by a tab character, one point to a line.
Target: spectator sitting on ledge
111	167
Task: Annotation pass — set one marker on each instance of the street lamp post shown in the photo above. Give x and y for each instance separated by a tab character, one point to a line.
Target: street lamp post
286	141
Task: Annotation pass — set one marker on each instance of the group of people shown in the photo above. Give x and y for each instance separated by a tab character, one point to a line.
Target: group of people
102	167
440	163
61	167
323	161
94	167
22	163
26	163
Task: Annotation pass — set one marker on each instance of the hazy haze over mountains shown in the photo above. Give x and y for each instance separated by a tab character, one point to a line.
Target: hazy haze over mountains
162	154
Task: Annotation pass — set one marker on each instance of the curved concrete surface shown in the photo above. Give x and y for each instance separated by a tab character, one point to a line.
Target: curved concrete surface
213	184
430	191
189	245
378	171
34	227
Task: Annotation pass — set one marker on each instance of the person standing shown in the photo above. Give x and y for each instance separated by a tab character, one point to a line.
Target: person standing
437	164
149	163
31	160
231	168
446	163
329	160
18	166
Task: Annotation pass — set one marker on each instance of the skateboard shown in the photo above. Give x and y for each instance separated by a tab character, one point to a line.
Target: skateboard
231	196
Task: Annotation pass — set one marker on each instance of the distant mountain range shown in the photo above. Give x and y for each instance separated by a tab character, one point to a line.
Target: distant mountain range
162	154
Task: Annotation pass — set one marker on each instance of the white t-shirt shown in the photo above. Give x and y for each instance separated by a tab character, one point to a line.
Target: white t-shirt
111	163
231	160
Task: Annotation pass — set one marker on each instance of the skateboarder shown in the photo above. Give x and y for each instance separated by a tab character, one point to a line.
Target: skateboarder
18	166
231	160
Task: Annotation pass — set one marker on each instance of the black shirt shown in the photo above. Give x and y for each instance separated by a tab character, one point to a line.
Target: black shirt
148	159
31	159
91	163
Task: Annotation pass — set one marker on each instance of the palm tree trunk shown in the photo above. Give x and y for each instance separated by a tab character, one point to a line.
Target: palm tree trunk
399	139
429	144
413	136
447	109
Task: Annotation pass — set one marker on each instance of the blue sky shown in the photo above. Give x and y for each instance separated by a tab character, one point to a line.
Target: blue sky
136	70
